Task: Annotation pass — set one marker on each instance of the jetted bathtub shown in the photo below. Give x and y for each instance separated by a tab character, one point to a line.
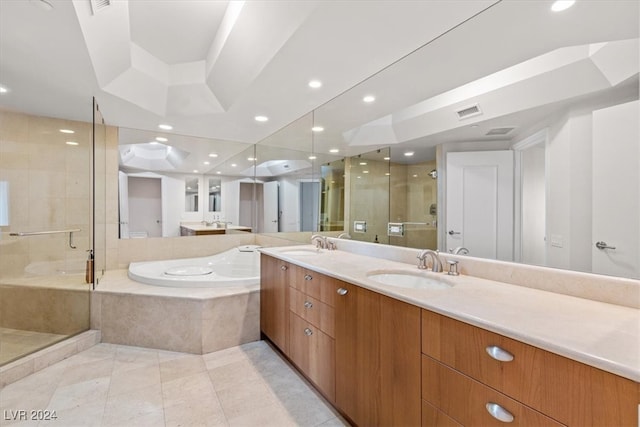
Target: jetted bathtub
236	267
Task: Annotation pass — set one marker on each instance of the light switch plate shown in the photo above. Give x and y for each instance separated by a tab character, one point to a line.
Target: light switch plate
395	229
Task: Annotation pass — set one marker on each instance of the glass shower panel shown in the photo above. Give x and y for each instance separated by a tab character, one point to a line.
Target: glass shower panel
45	171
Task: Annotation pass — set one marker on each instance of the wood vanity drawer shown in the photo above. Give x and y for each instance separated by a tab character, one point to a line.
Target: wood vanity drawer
433	417
312	310
314	284
465	400
313	352
568	391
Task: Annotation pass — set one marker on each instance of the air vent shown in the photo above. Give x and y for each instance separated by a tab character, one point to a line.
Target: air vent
98	5
470	111
499	131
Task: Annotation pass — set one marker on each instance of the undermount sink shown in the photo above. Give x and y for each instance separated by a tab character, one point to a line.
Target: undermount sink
302	251
407	279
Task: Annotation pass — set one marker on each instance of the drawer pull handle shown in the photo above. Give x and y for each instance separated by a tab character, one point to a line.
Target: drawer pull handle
308	277
308	304
499	354
499	413
283	267
308	332
342	291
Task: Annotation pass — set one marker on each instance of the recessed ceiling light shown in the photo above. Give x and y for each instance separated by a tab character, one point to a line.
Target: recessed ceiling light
560	5
218	172
195	171
363	163
387	174
387	158
251	159
161	139
409	153
369	98
312	157
4	89
261	118
165	127
71	143
315	84
334	150
213	155
233	165
153	142
415	175
358	177
206	163
317	129
66	131
365	171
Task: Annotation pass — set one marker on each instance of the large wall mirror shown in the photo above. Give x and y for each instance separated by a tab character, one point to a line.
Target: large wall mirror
171	185
516	147
535	152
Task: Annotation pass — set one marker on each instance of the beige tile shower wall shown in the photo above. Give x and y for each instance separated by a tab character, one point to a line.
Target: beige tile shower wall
369	199
49	189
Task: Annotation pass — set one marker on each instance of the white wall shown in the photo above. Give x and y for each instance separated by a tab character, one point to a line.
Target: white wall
569	193
533	224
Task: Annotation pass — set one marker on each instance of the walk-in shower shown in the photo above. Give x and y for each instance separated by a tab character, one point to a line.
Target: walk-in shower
47	230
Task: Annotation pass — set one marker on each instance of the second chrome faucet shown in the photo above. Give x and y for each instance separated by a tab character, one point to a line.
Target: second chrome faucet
436	264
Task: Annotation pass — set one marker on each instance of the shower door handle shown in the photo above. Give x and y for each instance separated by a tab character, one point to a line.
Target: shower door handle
451	232
603	245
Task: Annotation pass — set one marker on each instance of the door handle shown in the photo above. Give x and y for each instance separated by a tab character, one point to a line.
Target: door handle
451	232
603	245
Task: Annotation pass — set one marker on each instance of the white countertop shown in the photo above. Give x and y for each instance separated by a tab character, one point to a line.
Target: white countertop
599	334
204	227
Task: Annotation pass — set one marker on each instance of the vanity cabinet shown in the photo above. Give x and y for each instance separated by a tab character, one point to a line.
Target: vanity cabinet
274	304
384	362
464	363
311	327
377	358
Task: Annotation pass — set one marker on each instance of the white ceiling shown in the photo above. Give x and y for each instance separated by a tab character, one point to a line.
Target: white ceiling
205	67
209	67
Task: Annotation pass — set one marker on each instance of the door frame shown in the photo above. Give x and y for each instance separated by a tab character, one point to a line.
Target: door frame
540	137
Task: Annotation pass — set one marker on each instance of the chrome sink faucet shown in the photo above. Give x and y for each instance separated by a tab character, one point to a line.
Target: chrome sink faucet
436	264
320	241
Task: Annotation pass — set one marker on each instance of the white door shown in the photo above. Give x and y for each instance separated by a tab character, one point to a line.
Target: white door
172	189
270	203
616	190
123	204
145	207
479	203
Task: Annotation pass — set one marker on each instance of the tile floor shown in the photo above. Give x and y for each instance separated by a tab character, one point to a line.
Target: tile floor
15	343
115	385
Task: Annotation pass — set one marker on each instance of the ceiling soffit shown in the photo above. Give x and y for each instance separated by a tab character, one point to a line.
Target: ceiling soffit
210	83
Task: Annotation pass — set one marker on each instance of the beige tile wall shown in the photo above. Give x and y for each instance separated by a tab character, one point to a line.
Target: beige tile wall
49	189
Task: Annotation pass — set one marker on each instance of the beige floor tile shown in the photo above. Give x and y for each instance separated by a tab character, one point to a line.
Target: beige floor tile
122	408
128	380
151	419
232	374
272	415
186	365
247	397
88	415
197	413
79	394
193	388
113	385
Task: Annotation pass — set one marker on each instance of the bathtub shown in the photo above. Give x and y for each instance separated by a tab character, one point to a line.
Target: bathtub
236	267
